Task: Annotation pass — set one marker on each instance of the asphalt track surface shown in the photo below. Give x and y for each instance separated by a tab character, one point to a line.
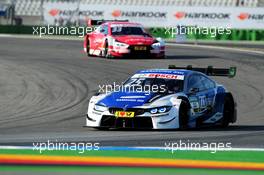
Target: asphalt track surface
45	86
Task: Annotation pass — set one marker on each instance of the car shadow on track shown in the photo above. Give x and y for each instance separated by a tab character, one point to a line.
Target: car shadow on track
168	57
205	129
236	128
189	57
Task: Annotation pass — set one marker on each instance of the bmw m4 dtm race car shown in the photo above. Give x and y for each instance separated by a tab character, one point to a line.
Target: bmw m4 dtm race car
182	97
122	39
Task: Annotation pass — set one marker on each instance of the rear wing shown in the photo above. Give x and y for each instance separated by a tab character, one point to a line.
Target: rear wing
99	22
210	70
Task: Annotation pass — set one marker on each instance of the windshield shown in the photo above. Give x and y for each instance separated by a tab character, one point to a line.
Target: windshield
127	30
155	85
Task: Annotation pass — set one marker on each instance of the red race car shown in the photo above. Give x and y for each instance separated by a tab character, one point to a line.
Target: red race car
114	39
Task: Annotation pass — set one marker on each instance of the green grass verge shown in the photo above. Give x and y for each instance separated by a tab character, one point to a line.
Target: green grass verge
120	170
240	156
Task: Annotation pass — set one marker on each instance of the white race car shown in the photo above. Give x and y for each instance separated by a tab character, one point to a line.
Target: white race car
165	99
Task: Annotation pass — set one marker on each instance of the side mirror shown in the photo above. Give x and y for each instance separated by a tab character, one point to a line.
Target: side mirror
193	90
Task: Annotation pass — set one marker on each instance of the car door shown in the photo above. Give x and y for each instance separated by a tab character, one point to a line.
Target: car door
200	96
210	93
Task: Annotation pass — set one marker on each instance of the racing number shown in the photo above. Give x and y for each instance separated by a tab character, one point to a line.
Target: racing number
135	82
116	29
199	104
202	101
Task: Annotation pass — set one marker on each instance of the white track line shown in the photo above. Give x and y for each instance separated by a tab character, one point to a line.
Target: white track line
218	47
142	148
46	37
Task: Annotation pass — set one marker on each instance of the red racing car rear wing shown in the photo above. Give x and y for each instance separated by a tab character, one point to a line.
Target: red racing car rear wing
99	22
210	70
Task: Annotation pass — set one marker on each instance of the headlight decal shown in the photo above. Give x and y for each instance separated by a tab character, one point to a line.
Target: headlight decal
120	44
100	108
162	110
159	110
154	110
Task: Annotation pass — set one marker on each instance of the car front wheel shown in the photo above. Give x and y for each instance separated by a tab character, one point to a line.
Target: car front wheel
183	115
227	112
88	48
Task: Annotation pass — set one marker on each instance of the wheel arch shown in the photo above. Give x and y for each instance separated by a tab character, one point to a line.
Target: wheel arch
184	98
184	106
85	42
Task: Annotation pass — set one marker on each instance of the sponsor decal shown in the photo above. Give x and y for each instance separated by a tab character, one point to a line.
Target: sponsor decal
162	71
201	15
124	114
154	16
158	75
243	16
130	100
179	15
140	47
116	13
138	14
248	16
92	13
194	102
54	12
139	41
133	96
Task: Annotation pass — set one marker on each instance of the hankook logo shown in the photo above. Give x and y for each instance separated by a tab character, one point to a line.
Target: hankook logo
54	12
194	15
243	16
94	13
179	15
247	16
116	13
135	14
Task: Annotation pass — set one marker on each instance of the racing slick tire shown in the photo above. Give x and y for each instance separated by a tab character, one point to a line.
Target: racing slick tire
105	52
88	48
183	115
228	112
